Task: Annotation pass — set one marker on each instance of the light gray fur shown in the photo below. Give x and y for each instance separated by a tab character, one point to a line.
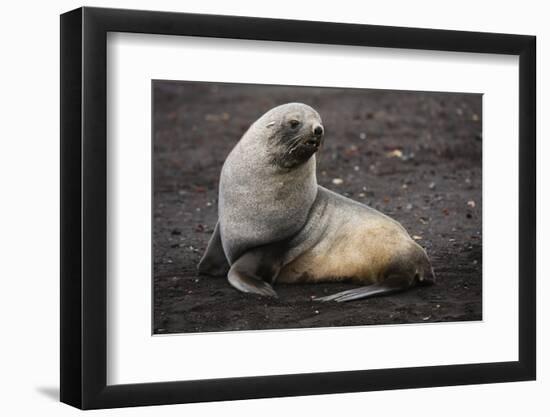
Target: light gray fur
261	202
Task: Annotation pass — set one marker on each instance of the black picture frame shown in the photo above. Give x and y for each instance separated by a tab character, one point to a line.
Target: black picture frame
84	207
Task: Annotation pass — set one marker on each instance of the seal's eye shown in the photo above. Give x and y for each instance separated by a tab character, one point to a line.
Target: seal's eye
294	124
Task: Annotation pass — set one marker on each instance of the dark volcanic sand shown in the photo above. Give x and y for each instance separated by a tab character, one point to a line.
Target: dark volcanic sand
412	155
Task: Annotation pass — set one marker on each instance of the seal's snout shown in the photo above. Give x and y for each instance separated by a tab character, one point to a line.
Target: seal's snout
318	131
315	141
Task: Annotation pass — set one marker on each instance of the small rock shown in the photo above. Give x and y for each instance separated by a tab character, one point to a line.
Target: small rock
396	153
471	203
199	189
337	181
362	135
409	206
431	186
416	237
426	318
351	151
316	311
356	168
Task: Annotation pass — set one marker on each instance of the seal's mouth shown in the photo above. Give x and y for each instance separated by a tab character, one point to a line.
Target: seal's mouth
313	142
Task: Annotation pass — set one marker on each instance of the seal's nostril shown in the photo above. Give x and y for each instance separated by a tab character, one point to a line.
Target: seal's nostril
318	131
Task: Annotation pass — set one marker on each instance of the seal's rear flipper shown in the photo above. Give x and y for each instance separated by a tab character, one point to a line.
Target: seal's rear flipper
213	261
361	292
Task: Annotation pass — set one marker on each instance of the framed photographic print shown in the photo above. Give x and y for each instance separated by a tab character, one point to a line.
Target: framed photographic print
258	208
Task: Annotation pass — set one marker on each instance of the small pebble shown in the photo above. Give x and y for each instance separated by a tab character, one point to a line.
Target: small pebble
362	135
432	185
396	153
337	181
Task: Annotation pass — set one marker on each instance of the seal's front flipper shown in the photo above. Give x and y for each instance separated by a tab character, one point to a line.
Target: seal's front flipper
249	284
254	270
213	261
362	292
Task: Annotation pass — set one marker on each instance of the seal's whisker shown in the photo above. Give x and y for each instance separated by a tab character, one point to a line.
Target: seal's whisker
293	143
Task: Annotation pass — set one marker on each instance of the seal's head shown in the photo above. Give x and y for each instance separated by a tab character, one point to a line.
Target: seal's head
293	131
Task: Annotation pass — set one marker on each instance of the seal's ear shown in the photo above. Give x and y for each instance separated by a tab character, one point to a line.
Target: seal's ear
270	124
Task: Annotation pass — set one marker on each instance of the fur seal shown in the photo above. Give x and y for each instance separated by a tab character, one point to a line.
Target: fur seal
276	224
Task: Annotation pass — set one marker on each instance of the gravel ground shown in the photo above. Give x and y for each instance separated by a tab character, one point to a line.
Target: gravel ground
415	156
